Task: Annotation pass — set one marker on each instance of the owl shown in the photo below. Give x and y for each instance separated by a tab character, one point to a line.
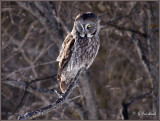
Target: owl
79	48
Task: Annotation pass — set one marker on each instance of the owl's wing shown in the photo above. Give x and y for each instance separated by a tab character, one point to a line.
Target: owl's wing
64	44
65	53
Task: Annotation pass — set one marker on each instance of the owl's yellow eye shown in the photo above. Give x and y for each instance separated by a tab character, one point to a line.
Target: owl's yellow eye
88	26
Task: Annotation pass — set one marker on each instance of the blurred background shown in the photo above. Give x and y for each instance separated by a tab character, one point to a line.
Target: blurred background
122	81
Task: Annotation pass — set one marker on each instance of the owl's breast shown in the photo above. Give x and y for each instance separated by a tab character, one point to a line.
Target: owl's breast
85	51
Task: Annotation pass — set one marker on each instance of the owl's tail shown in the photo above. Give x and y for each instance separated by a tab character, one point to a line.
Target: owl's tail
64	85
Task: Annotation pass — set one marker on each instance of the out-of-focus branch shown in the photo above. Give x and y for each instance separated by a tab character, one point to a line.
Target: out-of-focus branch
61	100
88	97
23	85
126	104
122	28
152	70
153	43
50	13
21	44
78	108
141	54
47	109
29	67
153	74
44	14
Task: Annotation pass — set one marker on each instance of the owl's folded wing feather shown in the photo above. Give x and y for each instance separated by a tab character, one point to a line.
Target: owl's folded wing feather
65	53
64	44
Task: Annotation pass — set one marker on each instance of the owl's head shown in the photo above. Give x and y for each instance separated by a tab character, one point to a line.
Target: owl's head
87	24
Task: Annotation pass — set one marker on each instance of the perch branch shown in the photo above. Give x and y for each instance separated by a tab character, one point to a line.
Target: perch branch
61	100
47	109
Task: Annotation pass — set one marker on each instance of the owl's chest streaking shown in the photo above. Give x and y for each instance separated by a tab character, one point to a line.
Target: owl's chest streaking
84	52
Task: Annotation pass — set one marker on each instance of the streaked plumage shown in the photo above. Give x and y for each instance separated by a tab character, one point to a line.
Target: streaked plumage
79	48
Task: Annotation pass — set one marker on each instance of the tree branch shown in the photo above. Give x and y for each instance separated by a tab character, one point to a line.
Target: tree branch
56	104
125	29
126	104
45	16
88	97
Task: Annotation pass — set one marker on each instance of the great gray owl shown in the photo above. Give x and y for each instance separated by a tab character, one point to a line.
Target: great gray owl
79	48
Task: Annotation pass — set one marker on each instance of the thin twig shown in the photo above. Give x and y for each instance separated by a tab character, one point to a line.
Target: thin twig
57	103
29	67
125	29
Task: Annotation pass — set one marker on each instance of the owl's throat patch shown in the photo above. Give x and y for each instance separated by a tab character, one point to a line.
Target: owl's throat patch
86	35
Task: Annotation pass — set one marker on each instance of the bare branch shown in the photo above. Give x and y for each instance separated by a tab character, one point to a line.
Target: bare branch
63	99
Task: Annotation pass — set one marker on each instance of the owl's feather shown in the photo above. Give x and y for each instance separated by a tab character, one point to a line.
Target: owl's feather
78	51
65	53
64	45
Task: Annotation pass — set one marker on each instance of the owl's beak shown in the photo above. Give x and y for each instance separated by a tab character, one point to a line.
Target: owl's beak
85	33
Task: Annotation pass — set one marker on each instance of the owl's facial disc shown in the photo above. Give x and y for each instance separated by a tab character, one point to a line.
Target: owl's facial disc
82	34
80	28
86	28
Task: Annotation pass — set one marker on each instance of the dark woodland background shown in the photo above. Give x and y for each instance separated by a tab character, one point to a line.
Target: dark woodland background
122	81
